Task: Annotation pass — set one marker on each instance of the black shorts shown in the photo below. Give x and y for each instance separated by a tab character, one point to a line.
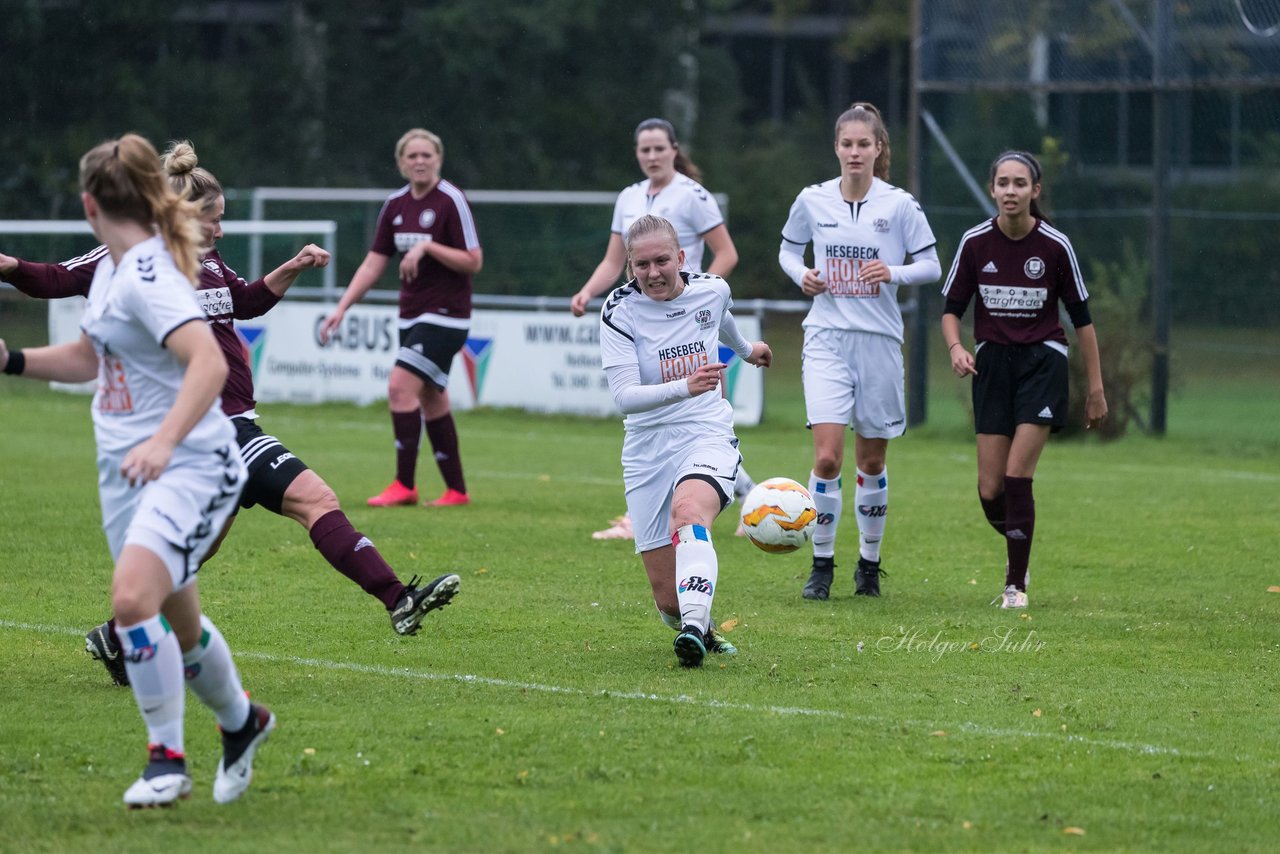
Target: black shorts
1019	384
272	466
427	350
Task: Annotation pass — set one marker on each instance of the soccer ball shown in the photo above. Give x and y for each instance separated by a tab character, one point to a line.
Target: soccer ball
778	515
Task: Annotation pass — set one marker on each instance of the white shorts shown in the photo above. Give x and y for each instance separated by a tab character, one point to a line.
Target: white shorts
655	459
177	516
854	378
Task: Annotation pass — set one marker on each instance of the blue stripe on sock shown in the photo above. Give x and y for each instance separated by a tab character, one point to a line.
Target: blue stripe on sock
138	637
700	533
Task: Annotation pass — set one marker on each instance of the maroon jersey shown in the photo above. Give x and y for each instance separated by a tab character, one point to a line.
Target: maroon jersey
1018	282
222	294
437	293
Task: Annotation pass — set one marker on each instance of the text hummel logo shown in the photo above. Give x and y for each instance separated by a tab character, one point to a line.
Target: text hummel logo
1046	413
990	268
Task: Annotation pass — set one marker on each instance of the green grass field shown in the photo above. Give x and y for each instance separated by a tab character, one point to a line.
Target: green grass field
1133	707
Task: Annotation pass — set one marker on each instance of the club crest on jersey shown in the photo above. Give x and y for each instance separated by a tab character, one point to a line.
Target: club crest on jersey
881	225
1034	268
427	218
703	318
212	266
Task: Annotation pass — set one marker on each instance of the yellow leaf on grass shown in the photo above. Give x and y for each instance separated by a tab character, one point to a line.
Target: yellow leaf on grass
1074	831
967	825
1275	588
1036	713
500	731
481	571
973	581
729	624
544	478
940	733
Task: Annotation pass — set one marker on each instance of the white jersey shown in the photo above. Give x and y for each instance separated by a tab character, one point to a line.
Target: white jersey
131	310
887	225
684	203
668	341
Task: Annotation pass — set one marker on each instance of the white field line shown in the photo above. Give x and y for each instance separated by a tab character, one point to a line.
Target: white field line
967	727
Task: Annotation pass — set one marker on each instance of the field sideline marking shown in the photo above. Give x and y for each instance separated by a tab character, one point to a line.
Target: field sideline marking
682	699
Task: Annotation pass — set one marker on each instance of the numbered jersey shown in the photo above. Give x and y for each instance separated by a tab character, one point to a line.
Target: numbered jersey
684	203
887	225
668	341
132	310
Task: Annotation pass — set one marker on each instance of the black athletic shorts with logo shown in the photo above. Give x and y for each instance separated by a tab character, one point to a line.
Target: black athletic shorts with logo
427	350
1019	384
272	466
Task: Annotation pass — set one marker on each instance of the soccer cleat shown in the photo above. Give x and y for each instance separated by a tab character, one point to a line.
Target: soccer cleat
819	584
690	648
451	498
99	644
235	769
619	529
163	781
718	643
1013	598
416	602
394	495
866	579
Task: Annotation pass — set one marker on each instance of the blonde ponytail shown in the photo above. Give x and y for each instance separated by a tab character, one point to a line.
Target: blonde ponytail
128	181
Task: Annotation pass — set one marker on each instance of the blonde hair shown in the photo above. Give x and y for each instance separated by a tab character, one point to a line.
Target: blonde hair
418	133
125	177
650	224
187	178
861	111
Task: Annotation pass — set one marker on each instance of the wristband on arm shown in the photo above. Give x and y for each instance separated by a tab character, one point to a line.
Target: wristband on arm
17	362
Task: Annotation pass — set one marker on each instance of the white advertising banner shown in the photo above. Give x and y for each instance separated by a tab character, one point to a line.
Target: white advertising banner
535	360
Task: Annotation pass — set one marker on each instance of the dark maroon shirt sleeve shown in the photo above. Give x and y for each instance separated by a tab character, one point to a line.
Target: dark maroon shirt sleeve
249	299
52	281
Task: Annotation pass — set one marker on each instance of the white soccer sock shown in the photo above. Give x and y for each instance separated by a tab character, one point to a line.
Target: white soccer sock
697	571
153	661
872	498
828	500
212	676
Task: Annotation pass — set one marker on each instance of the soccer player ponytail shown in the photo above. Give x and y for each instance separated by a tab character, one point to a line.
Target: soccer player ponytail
127	180
861	111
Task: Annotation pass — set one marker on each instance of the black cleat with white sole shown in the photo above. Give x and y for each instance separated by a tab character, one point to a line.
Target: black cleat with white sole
416	602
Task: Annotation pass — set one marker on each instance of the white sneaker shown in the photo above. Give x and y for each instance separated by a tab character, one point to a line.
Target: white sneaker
164	781
235	768
1013	598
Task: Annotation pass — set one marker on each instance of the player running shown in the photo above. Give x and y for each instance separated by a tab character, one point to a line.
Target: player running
862	230
672	190
169	471
1020	268
658	335
277	480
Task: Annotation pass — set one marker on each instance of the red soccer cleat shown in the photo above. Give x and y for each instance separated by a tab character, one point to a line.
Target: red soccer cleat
451	498
395	494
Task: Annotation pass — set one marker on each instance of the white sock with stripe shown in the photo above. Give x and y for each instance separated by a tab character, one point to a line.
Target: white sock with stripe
697	572
153	661
828	500
872	499
212	676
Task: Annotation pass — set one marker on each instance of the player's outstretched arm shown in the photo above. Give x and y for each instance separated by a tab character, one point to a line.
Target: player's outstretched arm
73	362
370	269
282	278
